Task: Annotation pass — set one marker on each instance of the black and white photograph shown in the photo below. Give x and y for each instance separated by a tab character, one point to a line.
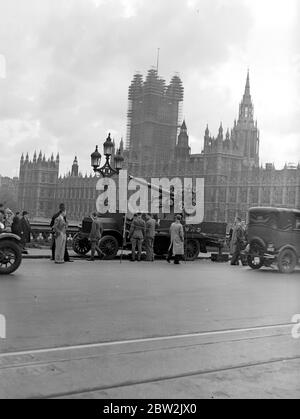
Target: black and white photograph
149	202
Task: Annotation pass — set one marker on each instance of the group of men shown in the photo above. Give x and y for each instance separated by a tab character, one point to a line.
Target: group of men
143	231
17	224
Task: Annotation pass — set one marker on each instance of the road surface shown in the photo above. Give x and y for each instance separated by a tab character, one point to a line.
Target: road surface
200	330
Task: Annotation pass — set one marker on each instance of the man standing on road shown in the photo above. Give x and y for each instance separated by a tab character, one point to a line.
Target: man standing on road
95	236
149	237
136	235
62	208
237	241
25	231
176	248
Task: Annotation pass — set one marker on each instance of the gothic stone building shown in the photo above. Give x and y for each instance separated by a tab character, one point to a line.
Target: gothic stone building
229	163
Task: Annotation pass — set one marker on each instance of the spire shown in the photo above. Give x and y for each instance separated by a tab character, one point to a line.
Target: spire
121	145
22	158
246	107
247	88
221	131
75	168
207	131
247	95
228	134
34	157
183	127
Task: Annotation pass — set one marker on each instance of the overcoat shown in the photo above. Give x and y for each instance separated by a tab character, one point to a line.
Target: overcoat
177	239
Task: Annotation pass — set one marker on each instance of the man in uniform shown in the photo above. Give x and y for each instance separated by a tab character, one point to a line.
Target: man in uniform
149	237
136	235
95	236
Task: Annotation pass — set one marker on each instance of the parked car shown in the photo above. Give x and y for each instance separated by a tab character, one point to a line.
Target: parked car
197	237
274	238
10	253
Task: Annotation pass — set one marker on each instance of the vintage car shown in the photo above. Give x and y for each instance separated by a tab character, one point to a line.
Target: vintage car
274	238
10	253
198	237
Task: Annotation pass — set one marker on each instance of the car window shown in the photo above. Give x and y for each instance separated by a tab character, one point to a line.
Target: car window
297	223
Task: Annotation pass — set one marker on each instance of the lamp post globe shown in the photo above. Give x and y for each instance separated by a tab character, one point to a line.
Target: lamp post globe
96	159
118	160
108	146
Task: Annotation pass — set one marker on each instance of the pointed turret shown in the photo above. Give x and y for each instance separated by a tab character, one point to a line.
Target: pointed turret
246	107
221	132
207	131
183	149
75	168
247	88
34	157
22	159
228	135
121	146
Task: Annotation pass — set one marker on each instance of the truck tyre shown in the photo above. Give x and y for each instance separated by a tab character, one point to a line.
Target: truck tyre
10	257
256	259
192	249
81	245
287	261
109	246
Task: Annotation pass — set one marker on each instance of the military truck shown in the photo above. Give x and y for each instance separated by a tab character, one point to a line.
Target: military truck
115	236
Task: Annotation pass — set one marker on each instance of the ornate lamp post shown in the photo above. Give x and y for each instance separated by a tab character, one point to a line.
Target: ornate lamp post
107	170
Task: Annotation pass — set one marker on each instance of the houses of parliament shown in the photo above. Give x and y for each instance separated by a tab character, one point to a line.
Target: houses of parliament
157	145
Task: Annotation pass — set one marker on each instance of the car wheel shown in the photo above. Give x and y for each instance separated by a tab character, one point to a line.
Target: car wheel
109	246
81	245
10	257
287	261
192	249
255	259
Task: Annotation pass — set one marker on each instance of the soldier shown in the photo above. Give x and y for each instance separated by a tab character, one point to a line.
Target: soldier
95	236
136	235
149	237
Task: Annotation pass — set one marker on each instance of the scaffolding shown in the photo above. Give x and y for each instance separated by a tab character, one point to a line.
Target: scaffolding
154	115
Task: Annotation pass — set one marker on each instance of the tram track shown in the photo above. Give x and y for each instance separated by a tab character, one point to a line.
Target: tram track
70	371
199	373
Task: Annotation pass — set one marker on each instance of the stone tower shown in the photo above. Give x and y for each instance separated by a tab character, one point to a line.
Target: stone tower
153	117
37	185
245	133
183	150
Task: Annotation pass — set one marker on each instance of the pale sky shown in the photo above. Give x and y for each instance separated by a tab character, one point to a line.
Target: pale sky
69	64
